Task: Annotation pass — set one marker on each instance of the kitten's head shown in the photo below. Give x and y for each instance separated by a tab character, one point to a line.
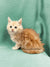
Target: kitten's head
14	26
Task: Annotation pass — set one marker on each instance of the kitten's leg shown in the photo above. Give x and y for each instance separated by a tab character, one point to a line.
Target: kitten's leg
17	46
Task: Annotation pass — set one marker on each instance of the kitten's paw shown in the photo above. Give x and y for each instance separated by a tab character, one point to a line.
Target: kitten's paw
14	48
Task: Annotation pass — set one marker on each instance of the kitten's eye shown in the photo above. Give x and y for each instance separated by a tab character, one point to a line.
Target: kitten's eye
10	26
15	27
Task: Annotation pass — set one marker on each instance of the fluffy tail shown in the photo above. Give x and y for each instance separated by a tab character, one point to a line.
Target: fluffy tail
33	51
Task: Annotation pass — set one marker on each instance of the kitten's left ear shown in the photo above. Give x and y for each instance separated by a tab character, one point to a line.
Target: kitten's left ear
9	20
20	21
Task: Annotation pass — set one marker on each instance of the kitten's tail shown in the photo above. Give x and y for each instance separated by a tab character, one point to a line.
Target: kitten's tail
33	51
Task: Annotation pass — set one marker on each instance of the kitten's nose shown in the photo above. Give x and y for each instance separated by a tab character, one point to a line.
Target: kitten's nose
12	30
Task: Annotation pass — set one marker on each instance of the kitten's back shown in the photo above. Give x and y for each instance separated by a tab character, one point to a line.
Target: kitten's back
34	42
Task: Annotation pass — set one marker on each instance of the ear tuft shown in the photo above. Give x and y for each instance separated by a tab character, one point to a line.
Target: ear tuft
20	21
9	20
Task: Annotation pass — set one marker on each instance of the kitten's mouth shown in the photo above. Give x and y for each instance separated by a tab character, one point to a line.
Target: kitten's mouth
12	30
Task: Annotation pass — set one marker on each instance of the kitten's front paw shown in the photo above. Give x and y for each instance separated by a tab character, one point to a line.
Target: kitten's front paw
14	48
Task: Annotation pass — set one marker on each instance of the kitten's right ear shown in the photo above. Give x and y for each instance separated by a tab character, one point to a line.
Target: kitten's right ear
9	20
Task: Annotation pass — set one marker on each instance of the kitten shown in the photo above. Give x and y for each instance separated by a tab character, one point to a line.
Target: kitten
27	39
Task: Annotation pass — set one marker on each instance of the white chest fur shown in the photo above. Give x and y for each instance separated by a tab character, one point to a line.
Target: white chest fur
15	38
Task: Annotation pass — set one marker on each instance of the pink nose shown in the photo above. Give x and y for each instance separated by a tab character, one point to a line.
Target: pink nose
12	30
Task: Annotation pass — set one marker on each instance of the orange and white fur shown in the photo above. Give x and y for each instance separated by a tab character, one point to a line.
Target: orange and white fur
27	39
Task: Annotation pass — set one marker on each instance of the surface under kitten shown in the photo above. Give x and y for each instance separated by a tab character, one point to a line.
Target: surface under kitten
27	39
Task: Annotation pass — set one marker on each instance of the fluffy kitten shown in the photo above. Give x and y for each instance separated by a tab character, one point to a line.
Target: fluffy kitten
27	39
